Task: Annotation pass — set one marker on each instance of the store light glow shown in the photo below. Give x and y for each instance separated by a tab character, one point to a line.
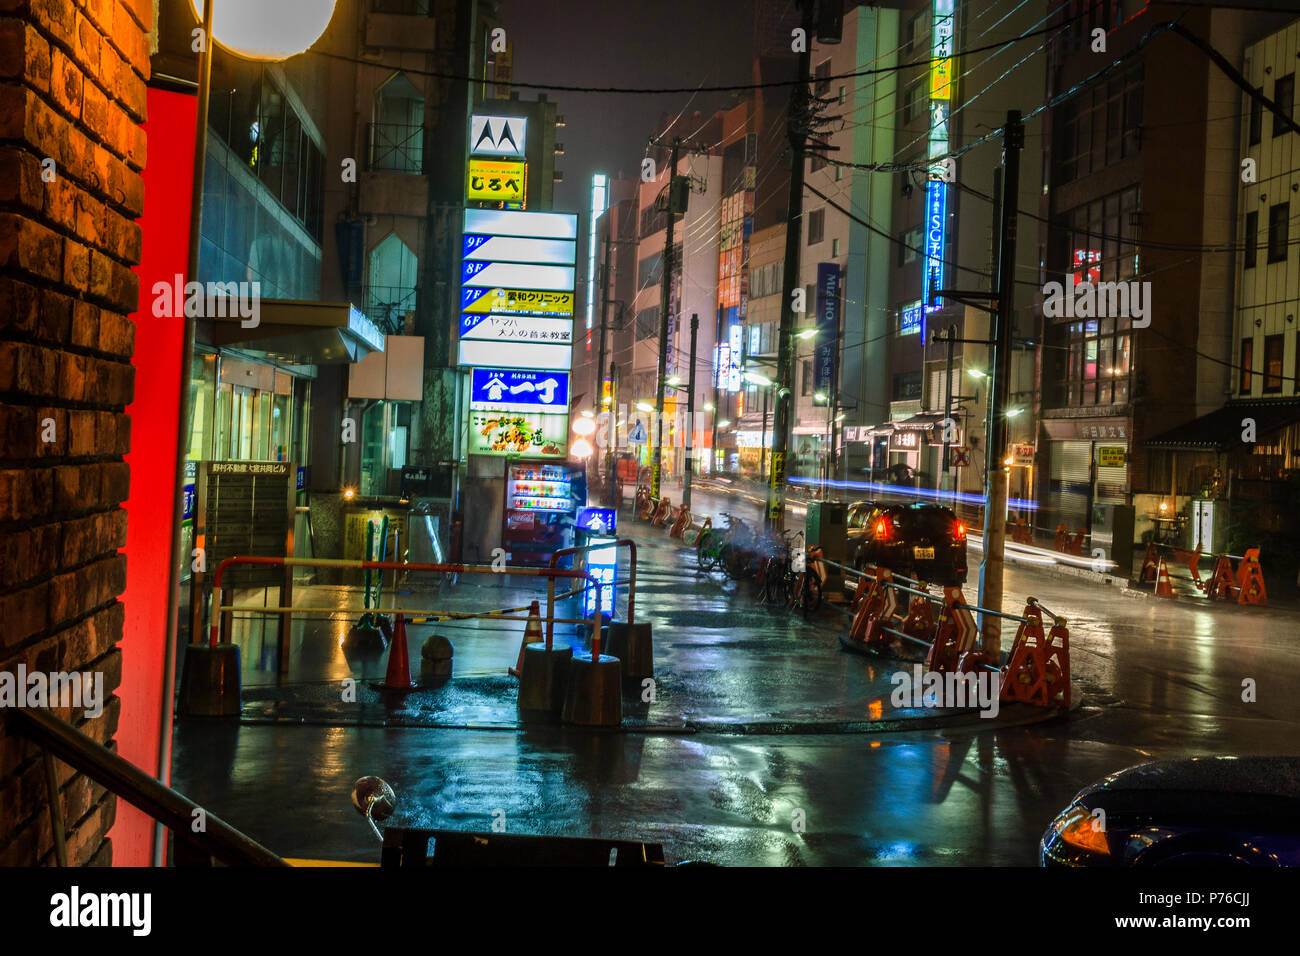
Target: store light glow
584	426
599	203
257	30
580	449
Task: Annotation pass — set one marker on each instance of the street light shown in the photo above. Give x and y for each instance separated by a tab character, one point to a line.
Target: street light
757	378
806	334
726	422
976	373
257	30
644	407
1013	412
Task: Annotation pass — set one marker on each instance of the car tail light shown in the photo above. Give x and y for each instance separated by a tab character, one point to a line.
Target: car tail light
884	528
960	530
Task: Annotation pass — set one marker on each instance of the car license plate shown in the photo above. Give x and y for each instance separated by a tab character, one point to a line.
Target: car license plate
923	554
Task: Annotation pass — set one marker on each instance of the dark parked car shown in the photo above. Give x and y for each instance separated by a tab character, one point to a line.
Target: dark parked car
1198	811
923	541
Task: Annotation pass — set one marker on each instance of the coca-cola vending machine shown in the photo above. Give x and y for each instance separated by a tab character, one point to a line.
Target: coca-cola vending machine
543	497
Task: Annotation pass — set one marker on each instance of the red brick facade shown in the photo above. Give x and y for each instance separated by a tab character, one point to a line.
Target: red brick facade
72	90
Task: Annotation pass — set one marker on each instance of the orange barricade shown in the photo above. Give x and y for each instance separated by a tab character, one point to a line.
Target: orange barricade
661	513
1223	584
954	636
678	530
1150	561
1038	671
879	601
919	622
1250	579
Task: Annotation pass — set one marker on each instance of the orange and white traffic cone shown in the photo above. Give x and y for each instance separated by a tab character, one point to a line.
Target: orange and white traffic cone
532	634
398	676
1163	588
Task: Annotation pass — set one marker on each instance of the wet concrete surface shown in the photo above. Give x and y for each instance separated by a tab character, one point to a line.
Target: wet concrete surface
1158	679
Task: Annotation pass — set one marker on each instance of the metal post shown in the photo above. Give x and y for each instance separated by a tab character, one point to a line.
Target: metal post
611	455
762	441
799	106
656	469
946	471
183	426
995	478
597	387
690	417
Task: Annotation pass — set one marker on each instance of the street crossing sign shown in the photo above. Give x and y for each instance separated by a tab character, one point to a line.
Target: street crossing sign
637	435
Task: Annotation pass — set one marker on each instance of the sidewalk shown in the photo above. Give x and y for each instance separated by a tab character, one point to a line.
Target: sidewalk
722	663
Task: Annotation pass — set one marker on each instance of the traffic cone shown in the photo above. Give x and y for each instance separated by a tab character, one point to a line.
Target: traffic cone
532	634
398	676
1163	588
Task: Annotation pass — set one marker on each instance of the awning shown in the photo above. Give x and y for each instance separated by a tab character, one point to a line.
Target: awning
923	422
1220	431
303	333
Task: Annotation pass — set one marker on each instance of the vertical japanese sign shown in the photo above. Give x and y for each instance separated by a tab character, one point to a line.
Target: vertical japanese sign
936	188
828	327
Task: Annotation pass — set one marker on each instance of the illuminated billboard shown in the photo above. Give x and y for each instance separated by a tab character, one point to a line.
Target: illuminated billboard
516	301
491	180
936	188
498	136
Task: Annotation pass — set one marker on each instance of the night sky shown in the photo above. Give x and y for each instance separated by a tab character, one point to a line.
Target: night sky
674	43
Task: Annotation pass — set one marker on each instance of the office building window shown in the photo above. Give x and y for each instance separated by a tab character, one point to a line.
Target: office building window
1277	231
1247	359
1256	121
821	83
806	378
1251	239
1284	97
816	226
1273	346
835	248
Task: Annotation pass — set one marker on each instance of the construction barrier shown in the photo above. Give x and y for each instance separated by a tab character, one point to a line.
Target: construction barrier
680	523
1038	671
1243	586
1067	543
210	684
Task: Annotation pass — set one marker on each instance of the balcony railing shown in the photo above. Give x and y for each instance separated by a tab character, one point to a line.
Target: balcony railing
396	148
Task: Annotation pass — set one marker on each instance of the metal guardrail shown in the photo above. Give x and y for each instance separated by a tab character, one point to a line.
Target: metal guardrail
219	840
221	613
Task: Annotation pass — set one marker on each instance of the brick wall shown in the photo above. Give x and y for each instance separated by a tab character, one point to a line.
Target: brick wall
72	89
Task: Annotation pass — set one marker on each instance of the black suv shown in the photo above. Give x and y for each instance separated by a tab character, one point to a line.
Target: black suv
922	541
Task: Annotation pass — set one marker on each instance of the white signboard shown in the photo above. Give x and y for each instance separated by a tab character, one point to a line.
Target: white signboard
498	136
516	328
538	225
488	353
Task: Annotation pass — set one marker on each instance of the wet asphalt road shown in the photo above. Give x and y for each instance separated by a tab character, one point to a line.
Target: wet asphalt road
1159	679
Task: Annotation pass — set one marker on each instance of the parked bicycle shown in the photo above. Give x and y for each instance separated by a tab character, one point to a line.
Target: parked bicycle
712	542
807	590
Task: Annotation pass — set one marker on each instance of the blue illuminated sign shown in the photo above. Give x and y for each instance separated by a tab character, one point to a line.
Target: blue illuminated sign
936	220
910	323
828	326
602	564
599	520
535	389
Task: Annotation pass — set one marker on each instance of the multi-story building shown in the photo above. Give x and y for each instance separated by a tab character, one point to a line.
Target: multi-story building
1244	452
845	252
1115	378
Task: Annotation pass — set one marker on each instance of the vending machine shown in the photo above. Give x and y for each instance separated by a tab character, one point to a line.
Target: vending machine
543	498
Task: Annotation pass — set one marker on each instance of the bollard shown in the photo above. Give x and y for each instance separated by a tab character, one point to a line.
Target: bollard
435	659
632	644
543	681
594	696
210	683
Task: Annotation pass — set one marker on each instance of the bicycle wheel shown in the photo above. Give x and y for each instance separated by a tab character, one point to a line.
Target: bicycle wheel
812	593
794	588
760	580
736	561
774	588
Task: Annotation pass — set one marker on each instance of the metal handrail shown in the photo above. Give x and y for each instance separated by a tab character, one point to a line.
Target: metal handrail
219	839
631	579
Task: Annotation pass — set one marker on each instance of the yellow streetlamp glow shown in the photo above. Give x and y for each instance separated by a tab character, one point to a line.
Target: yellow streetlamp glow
262	30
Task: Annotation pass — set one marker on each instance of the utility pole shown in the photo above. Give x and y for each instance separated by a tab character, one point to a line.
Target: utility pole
611	449
995	478
946	470
598	387
656	470
690	416
796	128
762	441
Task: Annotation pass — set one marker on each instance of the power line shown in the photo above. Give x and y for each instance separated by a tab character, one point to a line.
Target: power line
725	88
